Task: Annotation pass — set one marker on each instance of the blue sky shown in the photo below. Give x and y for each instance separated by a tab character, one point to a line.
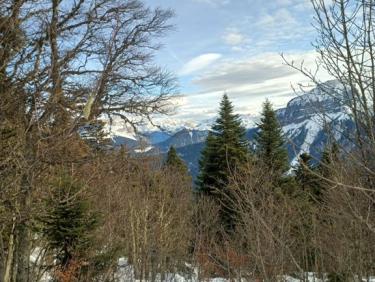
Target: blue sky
234	46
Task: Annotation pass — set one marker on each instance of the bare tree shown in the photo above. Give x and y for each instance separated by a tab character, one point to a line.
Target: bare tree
62	64
345	47
147	214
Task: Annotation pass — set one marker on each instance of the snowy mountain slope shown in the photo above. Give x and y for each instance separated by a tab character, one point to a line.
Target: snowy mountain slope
309	120
310	135
183	138
169	133
168	127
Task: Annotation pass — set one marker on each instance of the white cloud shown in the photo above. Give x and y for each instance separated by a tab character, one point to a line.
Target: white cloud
214	2
303	6
248	83
283	2
279	27
199	63
281	18
233	37
231	74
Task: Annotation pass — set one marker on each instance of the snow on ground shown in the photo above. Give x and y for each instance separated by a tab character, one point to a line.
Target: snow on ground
126	274
311	277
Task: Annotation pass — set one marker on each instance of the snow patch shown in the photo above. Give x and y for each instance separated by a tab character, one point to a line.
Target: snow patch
143	150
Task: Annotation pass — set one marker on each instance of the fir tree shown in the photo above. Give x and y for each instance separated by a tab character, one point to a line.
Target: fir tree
306	177
208	177
226	149
173	161
68	223
329	157
95	135
270	143
325	167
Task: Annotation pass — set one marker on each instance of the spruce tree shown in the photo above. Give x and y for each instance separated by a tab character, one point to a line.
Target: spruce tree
67	223
325	167
306	177
95	135
173	161
226	149
306	197
208	178
270	145
329	157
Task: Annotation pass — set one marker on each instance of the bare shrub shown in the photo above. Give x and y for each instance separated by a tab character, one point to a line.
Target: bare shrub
146	211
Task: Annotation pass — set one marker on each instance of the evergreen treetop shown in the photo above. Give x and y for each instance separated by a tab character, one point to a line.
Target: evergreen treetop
307	178
175	162
325	168
68	221
329	157
270	142
226	148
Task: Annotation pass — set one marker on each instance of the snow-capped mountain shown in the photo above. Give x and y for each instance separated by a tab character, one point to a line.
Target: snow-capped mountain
306	121
169	132
169	126
309	120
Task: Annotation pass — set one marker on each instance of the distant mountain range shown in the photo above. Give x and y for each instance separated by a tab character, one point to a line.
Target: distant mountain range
306	121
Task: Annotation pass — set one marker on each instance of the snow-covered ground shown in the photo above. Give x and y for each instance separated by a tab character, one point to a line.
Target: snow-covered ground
126	274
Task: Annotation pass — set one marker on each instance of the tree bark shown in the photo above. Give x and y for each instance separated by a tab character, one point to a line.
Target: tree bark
23	242
9	261
23	234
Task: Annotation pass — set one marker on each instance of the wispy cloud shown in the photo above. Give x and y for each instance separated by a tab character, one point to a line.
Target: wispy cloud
233	37
238	43
199	63
231	74
283	2
214	2
248	83
280	26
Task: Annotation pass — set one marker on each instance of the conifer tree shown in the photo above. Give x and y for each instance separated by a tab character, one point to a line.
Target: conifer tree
306	177
329	157
67	224
226	149
325	167
95	135
173	161
209	173
270	143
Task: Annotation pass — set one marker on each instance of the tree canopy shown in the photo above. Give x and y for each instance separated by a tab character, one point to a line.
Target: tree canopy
270	143
226	149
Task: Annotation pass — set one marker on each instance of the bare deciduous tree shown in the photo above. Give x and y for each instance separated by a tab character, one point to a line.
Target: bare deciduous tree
62	64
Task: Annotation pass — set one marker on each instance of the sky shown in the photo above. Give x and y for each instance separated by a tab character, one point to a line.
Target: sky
235	46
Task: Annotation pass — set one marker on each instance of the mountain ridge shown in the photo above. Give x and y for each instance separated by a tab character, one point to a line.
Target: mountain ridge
305	121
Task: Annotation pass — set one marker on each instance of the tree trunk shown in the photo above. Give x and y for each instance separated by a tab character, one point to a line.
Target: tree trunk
23	258
23	234
2	255
9	261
